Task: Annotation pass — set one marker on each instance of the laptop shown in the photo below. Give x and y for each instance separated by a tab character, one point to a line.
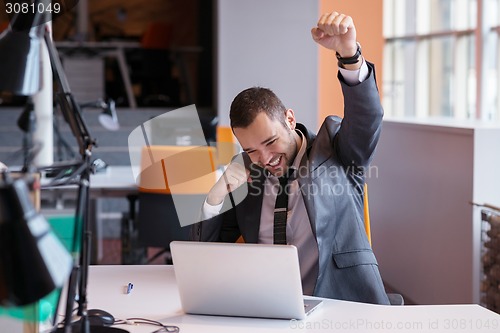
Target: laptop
243	280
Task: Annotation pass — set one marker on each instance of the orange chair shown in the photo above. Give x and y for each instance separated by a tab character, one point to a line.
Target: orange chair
173	184
3	26
153	67
177	169
158	35
226	145
366	211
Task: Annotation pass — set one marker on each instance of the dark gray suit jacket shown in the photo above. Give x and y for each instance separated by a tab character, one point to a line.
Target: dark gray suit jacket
331	179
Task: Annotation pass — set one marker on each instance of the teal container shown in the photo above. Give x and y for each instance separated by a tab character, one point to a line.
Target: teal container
45	309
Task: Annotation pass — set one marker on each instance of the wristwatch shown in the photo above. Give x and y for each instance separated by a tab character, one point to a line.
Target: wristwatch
351	60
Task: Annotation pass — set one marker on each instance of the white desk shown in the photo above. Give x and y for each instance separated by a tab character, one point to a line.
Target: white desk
155	297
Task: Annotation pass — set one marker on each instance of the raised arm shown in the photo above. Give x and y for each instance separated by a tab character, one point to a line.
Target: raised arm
360	130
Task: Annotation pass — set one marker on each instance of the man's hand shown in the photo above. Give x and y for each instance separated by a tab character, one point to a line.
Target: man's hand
234	176
336	32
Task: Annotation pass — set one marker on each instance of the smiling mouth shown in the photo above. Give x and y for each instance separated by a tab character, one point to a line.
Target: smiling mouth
275	162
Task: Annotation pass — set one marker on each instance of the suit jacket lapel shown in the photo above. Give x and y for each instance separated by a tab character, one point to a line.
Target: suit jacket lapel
305	185
305	179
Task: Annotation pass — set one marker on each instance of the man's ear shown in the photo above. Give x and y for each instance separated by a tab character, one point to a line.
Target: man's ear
290	119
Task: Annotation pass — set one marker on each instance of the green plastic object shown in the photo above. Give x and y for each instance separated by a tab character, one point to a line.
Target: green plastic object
45	309
64	228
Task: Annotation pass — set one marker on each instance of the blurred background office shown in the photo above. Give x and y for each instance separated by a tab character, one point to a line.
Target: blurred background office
438	72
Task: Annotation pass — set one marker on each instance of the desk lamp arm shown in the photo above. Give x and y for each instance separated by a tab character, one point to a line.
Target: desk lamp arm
69	108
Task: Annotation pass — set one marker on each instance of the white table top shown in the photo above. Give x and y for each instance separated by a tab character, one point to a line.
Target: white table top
155	297
114	181
114	177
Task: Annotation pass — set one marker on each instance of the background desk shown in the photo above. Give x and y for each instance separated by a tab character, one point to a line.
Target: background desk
116	49
155	297
114	182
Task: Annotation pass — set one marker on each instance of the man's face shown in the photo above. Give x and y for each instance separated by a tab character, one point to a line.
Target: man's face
270	143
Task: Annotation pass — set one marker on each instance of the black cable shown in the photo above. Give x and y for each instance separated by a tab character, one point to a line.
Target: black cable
136	321
58	324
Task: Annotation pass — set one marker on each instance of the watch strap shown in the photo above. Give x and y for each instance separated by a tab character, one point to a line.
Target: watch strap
350	60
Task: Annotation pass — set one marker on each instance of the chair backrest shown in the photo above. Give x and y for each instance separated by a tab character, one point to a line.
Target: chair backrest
158	35
226	145
4	25
172	187
366	211
177	169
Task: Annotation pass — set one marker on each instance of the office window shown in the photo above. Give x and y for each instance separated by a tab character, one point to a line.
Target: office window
492	61
442	58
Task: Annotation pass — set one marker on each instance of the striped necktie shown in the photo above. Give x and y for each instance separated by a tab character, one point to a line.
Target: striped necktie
280	212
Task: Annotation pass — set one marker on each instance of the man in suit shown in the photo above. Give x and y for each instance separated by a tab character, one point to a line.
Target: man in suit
324	174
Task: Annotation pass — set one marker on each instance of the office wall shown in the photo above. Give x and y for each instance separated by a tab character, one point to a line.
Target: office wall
268	43
425	232
368	19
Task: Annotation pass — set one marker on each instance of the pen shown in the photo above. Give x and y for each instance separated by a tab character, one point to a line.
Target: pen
130	286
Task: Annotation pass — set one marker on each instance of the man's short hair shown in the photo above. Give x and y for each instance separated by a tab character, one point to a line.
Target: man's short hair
252	101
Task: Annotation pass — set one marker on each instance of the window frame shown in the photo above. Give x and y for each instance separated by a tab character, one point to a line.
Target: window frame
468	98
